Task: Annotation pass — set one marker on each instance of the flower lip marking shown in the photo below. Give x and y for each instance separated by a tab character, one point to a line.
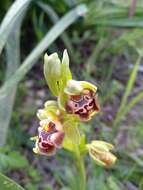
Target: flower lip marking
49	138
83	104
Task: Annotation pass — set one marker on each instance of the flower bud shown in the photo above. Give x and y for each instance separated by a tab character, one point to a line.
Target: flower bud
54	65
50	111
100	152
52	72
57	72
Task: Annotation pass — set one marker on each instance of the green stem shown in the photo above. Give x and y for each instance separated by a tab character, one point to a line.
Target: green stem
81	168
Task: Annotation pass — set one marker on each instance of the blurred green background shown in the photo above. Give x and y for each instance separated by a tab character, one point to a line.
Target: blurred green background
104	39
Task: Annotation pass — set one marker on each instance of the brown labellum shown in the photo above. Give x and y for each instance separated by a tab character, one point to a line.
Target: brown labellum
83	105
50	139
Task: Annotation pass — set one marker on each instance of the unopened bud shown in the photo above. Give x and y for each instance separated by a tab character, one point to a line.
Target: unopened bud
100	152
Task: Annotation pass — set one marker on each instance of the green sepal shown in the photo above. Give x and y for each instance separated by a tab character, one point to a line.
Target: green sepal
95	158
102	146
98	162
57	73
52	72
71	131
65	70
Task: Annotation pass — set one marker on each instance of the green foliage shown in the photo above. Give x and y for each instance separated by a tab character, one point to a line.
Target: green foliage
129	87
12	17
12	160
46	42
8	184
105	13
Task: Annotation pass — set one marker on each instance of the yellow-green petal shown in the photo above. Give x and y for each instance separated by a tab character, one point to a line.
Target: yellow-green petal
88	85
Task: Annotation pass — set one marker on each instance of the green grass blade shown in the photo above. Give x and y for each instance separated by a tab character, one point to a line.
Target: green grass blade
8	184
133	102
7	102
13	62
49	11
115	15
55	18
129	87
120	22
51	36
10	19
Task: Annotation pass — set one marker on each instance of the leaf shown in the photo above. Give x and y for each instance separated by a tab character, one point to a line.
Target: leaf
121	22
55	18
106	14
8	184
112	183
8	23
51	36
12	160
71	131
13	61
128	90
133	102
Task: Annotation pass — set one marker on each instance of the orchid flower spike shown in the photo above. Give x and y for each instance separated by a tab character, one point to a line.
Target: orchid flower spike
77	101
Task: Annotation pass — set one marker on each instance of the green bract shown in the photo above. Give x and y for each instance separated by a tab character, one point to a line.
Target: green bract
71	131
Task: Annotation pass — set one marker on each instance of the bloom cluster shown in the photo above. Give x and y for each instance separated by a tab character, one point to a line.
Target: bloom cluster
77	102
